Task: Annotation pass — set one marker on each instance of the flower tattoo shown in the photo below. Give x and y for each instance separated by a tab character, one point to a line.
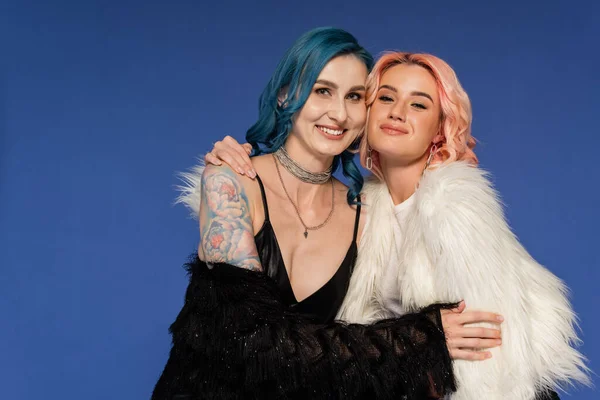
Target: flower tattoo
225	224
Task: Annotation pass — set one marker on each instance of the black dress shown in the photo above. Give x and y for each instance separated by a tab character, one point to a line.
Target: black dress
242	335
323	304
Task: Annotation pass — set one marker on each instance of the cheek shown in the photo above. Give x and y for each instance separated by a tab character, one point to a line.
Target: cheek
433	128
359	115
426	126
312	110
376	113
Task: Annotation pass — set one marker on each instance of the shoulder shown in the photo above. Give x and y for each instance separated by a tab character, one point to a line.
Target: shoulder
228	184
222	171
373	189
455	186
374	198
202	178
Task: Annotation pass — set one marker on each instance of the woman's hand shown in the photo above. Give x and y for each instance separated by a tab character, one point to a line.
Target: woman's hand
233	154
465	343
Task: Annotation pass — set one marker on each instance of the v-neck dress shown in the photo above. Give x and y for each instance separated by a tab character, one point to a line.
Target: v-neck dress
323	304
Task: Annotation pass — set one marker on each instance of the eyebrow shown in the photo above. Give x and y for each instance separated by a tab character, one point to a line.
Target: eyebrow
325	82
415	93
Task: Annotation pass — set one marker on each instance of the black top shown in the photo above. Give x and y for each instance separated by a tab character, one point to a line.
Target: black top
235	339
325	302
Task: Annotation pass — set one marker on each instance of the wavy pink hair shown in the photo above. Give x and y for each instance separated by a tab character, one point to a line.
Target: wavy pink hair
455	118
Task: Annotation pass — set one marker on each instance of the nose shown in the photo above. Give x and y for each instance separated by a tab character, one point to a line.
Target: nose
397	112
337	111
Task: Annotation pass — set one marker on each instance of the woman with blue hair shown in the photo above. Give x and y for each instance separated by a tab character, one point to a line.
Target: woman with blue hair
258	320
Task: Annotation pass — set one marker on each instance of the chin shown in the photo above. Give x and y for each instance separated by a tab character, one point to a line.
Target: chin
331	151
394	155
333	148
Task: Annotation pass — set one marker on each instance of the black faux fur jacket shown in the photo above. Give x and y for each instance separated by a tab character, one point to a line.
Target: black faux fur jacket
235	339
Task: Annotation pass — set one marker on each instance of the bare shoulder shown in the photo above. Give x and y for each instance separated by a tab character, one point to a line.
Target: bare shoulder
224	173
226	231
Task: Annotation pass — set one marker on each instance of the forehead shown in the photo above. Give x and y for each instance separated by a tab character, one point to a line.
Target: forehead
346	70
405	77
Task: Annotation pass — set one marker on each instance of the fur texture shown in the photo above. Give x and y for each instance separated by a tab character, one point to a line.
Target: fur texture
458	245
189	191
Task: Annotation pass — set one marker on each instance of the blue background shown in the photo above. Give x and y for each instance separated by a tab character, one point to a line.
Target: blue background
102	102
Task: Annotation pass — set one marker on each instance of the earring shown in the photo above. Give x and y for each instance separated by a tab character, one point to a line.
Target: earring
431	153
369	161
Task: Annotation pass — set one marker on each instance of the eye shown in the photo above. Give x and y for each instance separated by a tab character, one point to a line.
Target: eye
385	99
419	106
355	96
323	91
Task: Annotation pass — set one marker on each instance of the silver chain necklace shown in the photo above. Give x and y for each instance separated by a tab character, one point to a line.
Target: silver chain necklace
316	178
306	228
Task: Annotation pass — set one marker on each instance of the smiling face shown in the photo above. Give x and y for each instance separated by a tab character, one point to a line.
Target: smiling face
335	112
404	119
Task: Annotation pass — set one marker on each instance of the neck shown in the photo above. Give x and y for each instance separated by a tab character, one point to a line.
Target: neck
305	194
307	159
402	179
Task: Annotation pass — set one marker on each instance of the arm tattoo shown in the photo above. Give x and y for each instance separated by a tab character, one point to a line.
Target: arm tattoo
226	232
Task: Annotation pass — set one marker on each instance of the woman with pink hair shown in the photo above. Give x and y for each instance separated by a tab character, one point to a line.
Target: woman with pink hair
436	232
449	240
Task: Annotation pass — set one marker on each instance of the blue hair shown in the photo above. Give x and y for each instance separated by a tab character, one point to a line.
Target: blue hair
297	72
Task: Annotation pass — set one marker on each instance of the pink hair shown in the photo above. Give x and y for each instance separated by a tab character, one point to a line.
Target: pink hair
455	119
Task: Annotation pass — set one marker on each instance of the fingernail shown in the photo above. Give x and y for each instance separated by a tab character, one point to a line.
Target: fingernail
488	355
500	318
251	174
240	170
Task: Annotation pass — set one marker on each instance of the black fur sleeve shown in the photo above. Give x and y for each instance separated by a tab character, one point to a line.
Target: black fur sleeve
235	339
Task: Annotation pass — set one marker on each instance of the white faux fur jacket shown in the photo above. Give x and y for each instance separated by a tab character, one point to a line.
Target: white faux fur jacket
457	245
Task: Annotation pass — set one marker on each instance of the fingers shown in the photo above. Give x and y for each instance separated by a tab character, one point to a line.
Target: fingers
210	158
235	155
473	343
479	332
232	161
463	341
462	354
247	147
469	317
244	160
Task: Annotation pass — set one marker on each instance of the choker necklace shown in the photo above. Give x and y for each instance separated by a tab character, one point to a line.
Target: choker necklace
316	178
306	228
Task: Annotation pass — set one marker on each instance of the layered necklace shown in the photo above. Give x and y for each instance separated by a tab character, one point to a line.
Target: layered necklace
282	157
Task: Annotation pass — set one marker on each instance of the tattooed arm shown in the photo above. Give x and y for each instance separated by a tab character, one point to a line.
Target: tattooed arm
226	233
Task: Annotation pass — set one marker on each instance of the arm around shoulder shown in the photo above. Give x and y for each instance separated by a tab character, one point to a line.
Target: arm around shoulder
235	337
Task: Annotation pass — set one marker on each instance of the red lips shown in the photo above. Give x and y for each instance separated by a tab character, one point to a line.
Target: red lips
391	129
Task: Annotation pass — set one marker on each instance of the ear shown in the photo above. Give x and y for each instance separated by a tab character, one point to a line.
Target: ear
438	139
282	96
